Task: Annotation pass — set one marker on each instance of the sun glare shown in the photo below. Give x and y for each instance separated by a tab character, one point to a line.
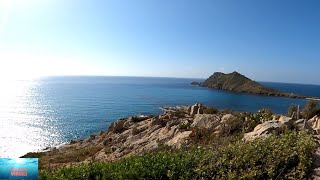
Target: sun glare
5	3
5	9
19	160
8	6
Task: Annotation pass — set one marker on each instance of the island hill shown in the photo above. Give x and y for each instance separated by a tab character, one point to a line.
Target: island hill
237	82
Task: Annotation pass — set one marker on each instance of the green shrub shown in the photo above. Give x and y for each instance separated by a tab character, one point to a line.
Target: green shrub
287	157
310	109
135	131
201	135
210	110
227	111
264	115
185	126
178	114
292	108
317	110
136	119
250	120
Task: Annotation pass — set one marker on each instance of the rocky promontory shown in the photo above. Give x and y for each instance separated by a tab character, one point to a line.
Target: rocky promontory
176	128
137	135
237	82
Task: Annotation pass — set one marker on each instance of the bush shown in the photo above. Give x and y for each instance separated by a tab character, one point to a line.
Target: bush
252	120
249	121
264	115
210	110
201	135
310	109
227	111
178	114
136	119
288	156
185	126
292	108
317	110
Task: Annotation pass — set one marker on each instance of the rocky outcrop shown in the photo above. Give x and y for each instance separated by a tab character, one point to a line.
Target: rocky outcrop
314	123
265	129
230	122
207	121
287	121
237	82
177	127
278	126
179	139
137	135
195	109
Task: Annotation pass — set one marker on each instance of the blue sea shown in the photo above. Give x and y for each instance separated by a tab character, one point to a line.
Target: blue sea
47	112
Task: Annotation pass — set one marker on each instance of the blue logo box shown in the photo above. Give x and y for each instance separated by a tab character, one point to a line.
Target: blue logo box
19	168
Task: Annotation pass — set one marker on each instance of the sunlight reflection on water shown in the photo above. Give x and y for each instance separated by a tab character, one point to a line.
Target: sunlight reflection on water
23	128
54	110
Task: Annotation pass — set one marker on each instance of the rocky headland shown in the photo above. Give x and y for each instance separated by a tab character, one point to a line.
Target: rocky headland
176	128
236	82
137	135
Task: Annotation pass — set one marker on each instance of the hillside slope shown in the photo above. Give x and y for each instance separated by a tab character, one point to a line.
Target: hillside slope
237	82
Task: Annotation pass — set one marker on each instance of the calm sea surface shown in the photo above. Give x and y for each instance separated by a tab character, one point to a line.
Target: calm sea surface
51	111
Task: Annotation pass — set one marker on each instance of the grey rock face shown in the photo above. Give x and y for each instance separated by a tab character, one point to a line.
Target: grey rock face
207	121
265	129
287	121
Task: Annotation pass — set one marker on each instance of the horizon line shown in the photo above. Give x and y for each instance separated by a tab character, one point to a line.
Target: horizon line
133	76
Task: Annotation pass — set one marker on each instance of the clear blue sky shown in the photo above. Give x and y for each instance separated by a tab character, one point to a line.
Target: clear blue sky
267	40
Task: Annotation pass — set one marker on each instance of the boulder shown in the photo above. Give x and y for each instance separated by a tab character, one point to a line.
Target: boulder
315	123
196	109
200	109
207	121
179	139
265	129
275	117
301	124
167	133
189	109
229	119
287	121
229	122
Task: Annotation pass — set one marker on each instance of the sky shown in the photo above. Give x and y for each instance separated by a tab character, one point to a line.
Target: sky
266	40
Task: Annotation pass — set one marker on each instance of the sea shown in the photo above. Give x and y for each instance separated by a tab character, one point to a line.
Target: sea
48	112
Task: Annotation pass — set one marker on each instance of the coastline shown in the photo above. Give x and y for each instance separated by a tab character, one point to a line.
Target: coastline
286	95
174	128
315	99
181	129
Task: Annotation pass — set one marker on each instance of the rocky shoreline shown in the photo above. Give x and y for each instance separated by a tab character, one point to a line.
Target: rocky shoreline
175	128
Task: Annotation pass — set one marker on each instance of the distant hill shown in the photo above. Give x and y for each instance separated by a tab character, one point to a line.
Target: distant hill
237	82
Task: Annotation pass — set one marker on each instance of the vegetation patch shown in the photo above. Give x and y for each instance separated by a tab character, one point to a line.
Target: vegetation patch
311	109
210	110
288	156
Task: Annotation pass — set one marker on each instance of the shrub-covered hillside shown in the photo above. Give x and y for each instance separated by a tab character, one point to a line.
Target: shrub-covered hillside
288	156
